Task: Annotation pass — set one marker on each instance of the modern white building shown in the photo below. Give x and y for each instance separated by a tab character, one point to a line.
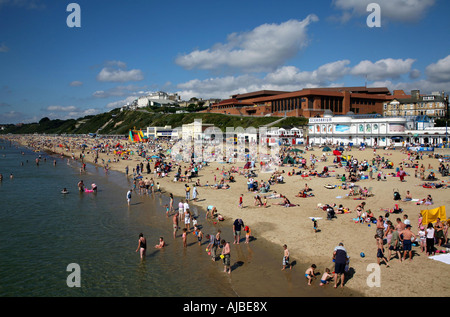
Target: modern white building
290	136
162	132
374	130
158	98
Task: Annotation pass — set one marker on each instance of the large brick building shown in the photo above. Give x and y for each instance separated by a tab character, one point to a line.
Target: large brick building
308	102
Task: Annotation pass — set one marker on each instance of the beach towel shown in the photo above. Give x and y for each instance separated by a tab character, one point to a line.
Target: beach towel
431	215
445	258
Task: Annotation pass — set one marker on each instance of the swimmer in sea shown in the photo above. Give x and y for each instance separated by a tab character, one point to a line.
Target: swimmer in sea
64	191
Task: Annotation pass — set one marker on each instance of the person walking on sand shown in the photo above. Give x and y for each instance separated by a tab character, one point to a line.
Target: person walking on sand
194	193
142	245
286	258
340	260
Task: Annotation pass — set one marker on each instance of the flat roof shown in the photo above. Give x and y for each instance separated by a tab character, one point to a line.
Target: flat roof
259	93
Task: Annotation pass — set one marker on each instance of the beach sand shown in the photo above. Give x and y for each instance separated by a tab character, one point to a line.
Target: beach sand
293	226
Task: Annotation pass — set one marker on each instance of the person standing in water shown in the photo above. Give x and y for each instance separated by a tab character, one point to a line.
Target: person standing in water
129	196
142	245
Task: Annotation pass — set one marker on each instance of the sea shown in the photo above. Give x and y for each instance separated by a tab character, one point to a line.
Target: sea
84	244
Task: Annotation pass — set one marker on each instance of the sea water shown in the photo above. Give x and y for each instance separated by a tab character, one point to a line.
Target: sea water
43	232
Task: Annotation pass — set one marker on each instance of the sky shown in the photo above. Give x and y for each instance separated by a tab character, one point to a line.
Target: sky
60	62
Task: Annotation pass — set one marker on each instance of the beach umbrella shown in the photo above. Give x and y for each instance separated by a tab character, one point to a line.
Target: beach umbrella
336	152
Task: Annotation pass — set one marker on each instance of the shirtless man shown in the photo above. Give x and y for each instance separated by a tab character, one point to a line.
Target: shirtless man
380	227
400	226
81	186
226	256
175	225
405	237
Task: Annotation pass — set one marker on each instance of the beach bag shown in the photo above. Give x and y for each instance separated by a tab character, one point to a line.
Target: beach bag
397	195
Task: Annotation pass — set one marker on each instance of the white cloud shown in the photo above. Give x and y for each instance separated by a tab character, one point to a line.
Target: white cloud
290	78
440	71
289	75
120	91
68	112
76	83
115	71
286	78
383	69
61	108
394	10
220	87
264	48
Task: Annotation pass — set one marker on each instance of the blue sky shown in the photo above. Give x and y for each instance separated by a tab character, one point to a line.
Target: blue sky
210	49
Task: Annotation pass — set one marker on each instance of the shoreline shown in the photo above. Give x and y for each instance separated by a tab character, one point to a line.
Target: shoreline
279	225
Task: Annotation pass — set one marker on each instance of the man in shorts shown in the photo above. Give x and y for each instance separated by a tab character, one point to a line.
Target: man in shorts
226	256
406	238
340	260
395	244
237	226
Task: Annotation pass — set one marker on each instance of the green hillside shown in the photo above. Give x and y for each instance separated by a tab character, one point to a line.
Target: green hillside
120	122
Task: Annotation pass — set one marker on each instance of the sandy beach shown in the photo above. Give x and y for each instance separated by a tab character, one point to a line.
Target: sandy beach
293	226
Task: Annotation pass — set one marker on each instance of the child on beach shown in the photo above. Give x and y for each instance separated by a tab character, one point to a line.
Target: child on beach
286	258
422	238
199	235
161	244
167	210
184	237
380	251
326	277
310	274
247	234
241	200
315	227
